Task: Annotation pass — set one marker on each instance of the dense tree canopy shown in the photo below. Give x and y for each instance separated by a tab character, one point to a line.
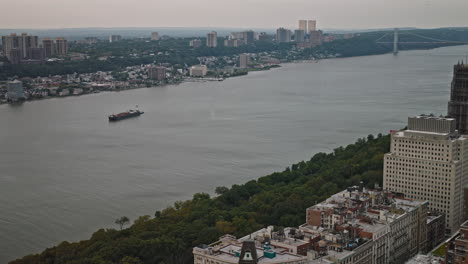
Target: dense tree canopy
278	199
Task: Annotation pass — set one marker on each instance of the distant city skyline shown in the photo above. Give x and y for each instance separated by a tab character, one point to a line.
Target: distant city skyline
340	14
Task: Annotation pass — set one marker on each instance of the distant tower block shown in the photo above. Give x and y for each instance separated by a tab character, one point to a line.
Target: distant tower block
458	104
395	42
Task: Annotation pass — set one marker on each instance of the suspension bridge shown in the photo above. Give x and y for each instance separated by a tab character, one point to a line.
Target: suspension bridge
427	40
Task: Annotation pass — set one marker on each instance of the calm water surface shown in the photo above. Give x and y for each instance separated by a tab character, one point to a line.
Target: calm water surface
65	171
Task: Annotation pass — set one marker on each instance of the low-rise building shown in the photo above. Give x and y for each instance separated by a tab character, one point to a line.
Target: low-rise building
396	227
198	70
457	247
247	250
435	230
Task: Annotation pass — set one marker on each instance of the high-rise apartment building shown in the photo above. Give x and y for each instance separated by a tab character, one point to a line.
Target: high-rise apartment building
299	35
311	25
157	73
195	43
248	36
458	104
36	55
61	46
49	47
212	39
429	161
263	36
154	36
316	37
303	25
283	35
244	60
22	43
15	90
115	38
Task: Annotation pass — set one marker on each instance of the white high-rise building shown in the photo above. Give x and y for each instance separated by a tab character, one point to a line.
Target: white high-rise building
429	161
212	39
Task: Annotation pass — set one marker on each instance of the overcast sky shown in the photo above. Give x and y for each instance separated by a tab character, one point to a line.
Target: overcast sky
343	14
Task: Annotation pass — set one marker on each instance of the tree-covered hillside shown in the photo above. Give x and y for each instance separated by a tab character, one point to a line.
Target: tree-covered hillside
278	199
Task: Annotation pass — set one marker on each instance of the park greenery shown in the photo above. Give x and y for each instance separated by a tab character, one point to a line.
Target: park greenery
104	56
279	199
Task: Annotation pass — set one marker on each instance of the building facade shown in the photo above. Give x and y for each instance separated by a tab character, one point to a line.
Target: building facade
49	47
299	35
157	73
391	228
154	36
303	25
316	37
252	249
457	247
195	43
21	43
212	39
311	26
61	46
283	35
428	161
198	70
458	104
15	90
115	38
466	203
244	60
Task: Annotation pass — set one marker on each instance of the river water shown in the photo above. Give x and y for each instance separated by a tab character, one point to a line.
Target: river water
65	171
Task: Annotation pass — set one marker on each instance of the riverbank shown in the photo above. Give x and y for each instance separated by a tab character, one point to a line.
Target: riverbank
95	88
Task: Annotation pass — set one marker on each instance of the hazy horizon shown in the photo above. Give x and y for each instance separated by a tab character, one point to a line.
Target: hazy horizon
333	14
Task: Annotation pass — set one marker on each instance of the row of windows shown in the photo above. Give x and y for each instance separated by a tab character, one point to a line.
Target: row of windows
423	143
417	177
400	161
433	188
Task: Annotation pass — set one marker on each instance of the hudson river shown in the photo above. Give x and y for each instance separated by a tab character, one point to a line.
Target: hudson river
65	171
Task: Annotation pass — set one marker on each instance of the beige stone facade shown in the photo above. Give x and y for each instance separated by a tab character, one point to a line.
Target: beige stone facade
428	161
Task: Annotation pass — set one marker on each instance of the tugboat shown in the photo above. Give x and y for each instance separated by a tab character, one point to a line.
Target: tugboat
125	115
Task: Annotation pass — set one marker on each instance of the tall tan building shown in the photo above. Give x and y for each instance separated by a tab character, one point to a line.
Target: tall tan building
303	25
212	39
311	25
61	46
49	47
429	161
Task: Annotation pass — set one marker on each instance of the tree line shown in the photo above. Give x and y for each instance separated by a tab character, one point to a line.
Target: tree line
279	199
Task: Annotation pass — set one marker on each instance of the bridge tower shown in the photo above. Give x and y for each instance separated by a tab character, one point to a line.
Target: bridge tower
395	42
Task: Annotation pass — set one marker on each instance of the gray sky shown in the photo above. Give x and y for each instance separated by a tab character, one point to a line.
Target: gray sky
346	14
